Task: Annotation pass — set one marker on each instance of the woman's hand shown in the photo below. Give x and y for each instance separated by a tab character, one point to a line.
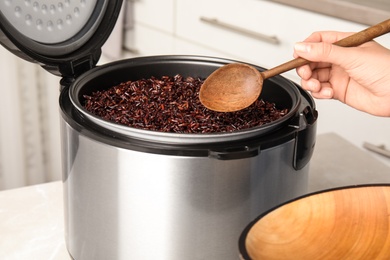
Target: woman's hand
357	76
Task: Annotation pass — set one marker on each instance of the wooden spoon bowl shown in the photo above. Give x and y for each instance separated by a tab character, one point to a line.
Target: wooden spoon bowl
349	223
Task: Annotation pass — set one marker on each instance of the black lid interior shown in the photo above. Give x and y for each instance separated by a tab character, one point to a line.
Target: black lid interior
63	37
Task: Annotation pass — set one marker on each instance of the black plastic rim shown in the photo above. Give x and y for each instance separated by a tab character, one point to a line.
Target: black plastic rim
113	73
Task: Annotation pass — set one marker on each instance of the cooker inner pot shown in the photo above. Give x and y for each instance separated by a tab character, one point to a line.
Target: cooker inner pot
278	90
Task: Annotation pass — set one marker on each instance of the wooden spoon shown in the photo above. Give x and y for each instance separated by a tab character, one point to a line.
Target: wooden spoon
236	86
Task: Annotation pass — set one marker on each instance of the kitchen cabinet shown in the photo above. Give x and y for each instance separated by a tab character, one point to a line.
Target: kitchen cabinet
141	41
151	31
256	31
238	29
155	14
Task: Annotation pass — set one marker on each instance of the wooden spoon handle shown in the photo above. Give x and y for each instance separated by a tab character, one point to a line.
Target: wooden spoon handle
350	41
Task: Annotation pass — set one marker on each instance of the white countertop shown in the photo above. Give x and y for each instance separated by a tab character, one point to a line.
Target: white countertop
32	222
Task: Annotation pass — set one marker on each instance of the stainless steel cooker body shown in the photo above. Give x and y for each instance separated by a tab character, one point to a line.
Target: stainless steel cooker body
133	194
125	204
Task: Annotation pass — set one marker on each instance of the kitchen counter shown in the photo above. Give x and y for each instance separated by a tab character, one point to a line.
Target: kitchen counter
31	218
337	163
368	12
32	223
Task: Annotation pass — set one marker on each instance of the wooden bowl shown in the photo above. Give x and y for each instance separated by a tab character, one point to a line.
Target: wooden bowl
347	223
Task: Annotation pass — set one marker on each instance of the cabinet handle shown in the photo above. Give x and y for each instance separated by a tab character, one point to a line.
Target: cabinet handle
381	149
240	30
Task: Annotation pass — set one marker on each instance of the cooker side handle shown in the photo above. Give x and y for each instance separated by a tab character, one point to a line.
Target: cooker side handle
306	137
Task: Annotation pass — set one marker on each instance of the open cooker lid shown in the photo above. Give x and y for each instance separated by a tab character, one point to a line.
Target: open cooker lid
65	37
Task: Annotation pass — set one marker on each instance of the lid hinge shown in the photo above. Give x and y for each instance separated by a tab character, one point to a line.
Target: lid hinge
75	67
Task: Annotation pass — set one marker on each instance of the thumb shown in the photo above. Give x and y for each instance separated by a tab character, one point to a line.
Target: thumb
320	52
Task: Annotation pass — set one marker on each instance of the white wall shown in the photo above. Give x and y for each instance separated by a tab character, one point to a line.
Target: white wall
29	123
